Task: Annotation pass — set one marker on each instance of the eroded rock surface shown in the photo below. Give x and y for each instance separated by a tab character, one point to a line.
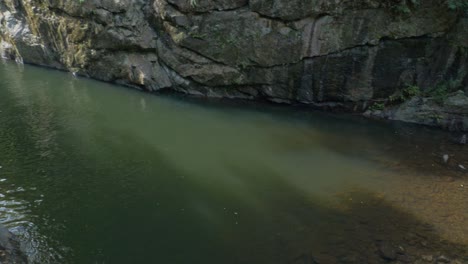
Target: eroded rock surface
347	53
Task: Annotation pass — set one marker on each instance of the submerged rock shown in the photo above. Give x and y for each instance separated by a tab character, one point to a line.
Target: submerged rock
428	258
445	158
10	251
387	251
463	140
443	259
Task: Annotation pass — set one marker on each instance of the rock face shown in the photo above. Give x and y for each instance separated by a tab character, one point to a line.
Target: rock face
449	113
318	52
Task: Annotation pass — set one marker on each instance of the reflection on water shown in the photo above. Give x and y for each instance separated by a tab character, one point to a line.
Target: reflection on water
93	173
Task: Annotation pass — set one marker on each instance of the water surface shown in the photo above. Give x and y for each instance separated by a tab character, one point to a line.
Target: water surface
96	173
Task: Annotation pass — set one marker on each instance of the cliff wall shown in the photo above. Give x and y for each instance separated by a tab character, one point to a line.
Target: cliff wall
318	52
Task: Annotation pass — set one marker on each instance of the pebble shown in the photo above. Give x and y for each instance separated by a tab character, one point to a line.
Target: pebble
463	140
401	250
445	158
387	251
462	167
443	259
427	258
404	258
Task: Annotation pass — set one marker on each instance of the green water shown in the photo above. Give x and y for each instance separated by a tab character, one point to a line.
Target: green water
96	173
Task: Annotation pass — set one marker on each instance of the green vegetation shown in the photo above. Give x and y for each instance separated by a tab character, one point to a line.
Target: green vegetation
438	93
436	117
405	94
398	97
377	106
441	91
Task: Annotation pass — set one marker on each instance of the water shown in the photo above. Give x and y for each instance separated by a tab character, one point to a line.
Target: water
96	173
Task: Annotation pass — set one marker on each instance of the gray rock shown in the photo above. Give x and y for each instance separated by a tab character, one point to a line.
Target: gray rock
443	259
457	102
445	158
463	140
428	258
317	52
387	251
10	251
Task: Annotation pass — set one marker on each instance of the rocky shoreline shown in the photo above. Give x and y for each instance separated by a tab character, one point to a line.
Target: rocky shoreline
320	53
449	113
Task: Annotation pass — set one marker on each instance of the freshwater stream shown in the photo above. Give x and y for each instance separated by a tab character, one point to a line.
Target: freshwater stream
97	173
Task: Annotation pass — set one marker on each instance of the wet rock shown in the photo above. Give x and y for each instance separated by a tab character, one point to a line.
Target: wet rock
400	250
387	251
404	258
457	103
449	114
428	258
445	158
463	140
304	259
10	252
443	259
349	259
322	53
324	259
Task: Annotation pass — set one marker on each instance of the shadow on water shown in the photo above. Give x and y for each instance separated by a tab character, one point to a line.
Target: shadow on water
394	144
410	146
367	229
274	221
277	223
356	226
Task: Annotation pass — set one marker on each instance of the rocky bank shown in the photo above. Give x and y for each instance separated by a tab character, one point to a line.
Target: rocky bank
324	53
